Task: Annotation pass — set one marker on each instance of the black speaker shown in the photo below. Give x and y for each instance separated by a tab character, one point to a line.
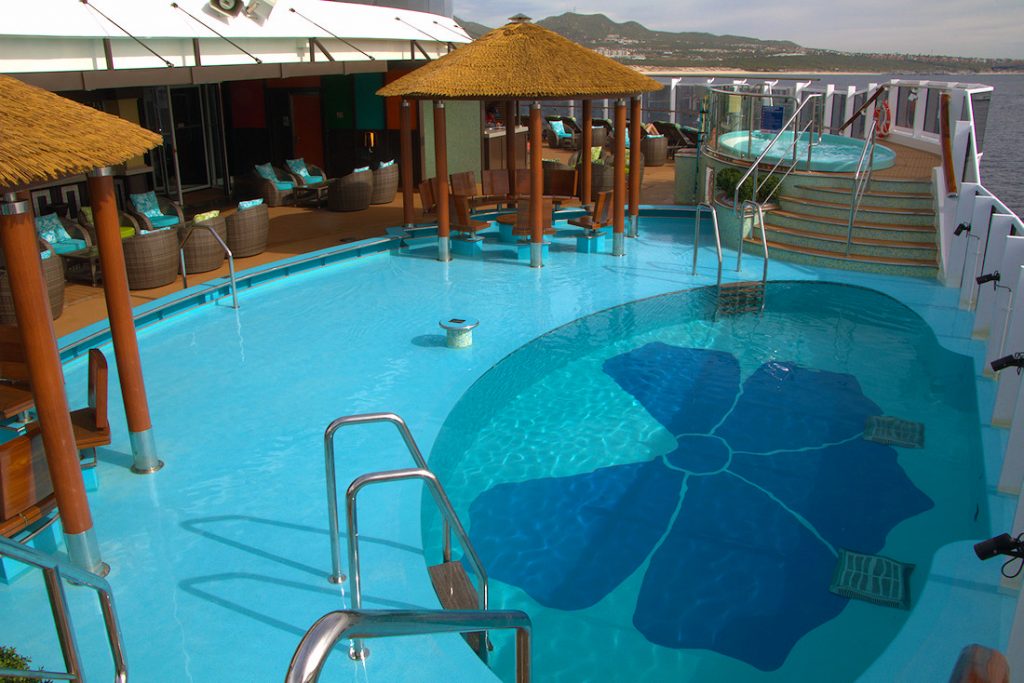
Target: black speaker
228	7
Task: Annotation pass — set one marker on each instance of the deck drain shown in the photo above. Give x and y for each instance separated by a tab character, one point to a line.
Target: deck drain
893	431
872	578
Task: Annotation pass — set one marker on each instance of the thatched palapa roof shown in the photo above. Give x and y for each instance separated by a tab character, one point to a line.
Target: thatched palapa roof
521	61
44	136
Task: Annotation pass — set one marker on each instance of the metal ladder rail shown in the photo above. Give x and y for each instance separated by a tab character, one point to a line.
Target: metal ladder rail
447	511
753	169
758	212
54	573
227	251
319	640
696	238
861	179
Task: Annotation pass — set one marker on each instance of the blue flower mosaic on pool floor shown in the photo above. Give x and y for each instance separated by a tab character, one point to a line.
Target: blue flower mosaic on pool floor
741	522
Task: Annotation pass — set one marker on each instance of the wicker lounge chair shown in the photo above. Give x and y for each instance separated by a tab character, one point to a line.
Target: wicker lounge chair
385	184
53	273
351	192
168	210
275	192
75	237
202	250
151	258
247	231
129	226
677	136
313	176
562	132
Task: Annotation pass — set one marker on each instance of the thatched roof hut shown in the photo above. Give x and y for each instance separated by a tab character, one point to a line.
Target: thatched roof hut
521	61
44	136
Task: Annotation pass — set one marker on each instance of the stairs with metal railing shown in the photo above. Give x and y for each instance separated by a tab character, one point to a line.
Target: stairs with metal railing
893	231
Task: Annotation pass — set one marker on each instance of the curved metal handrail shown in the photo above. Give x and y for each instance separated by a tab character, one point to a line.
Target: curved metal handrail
227	251
861	179
447	511
718	238
758	211
54	572
332	486
316	644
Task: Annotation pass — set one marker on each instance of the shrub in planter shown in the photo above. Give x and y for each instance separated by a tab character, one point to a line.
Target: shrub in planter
10	659
727	178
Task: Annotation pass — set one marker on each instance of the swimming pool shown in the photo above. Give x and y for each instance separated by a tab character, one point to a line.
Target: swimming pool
219	561
834	154
674	491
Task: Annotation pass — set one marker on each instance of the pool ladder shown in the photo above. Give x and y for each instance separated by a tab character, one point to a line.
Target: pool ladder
733	298
466	609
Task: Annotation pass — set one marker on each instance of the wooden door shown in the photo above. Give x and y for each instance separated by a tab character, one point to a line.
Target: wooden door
307	128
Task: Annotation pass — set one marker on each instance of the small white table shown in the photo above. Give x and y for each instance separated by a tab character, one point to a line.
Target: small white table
459	331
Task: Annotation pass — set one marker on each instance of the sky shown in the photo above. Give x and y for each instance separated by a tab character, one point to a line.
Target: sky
962	28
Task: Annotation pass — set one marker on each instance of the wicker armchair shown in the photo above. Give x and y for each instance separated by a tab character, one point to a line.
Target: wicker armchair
127	222
385	184
202	250
300	180
77	232
655	150
271	193
350	193
151	259
53	274
247	231
167	207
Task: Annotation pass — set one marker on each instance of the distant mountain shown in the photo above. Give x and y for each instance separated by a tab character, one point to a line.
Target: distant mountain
632	43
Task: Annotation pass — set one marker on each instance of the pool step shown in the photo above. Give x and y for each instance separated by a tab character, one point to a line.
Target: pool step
874	263
456	591
736	298
867	213
903	199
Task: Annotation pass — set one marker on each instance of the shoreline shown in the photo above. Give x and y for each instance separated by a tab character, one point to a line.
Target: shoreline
784	73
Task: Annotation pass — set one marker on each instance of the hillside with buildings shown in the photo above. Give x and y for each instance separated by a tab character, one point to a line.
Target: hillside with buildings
633	43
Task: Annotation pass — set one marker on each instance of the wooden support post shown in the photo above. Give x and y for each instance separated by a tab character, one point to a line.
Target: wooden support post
122	324
536	188
441	169
619	193
586	167
405	168
511	108
35	323
635	165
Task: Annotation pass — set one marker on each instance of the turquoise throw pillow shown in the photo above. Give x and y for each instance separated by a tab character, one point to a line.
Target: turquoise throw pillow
249	203
146	204
385	164
298	166
51	229
266	171
44	254
559	129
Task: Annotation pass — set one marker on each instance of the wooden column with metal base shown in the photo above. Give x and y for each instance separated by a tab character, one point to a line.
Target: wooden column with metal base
510	145
441	171
122	324
405	164
586	164
635	165
35	323
619	188
536	188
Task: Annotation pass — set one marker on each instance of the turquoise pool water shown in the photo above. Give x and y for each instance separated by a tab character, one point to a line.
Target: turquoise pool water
834	153
673	492
219	561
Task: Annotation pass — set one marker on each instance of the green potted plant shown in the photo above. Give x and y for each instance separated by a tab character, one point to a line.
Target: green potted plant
10	659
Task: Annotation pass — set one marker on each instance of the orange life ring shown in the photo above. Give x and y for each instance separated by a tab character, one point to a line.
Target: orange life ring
883	119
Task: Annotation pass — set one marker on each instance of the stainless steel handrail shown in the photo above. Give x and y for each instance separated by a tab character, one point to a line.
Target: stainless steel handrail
227	251
319	640
860	182
796	136
54	572
718	238
447	511
759	212
332	486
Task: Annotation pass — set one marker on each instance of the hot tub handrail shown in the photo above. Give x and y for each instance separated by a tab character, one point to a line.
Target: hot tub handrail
861	179
768	147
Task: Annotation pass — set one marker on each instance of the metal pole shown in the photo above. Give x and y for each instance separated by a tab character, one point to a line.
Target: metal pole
174	149
62	620
224	140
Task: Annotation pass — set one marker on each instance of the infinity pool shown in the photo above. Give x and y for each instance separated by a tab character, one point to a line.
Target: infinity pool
675	491
219	562
833	154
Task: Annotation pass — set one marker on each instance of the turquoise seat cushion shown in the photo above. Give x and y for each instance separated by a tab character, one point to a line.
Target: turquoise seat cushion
249	203
559	129
361	169
65	246
146	204
162	221
51	229
266	171
314	179
284	185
